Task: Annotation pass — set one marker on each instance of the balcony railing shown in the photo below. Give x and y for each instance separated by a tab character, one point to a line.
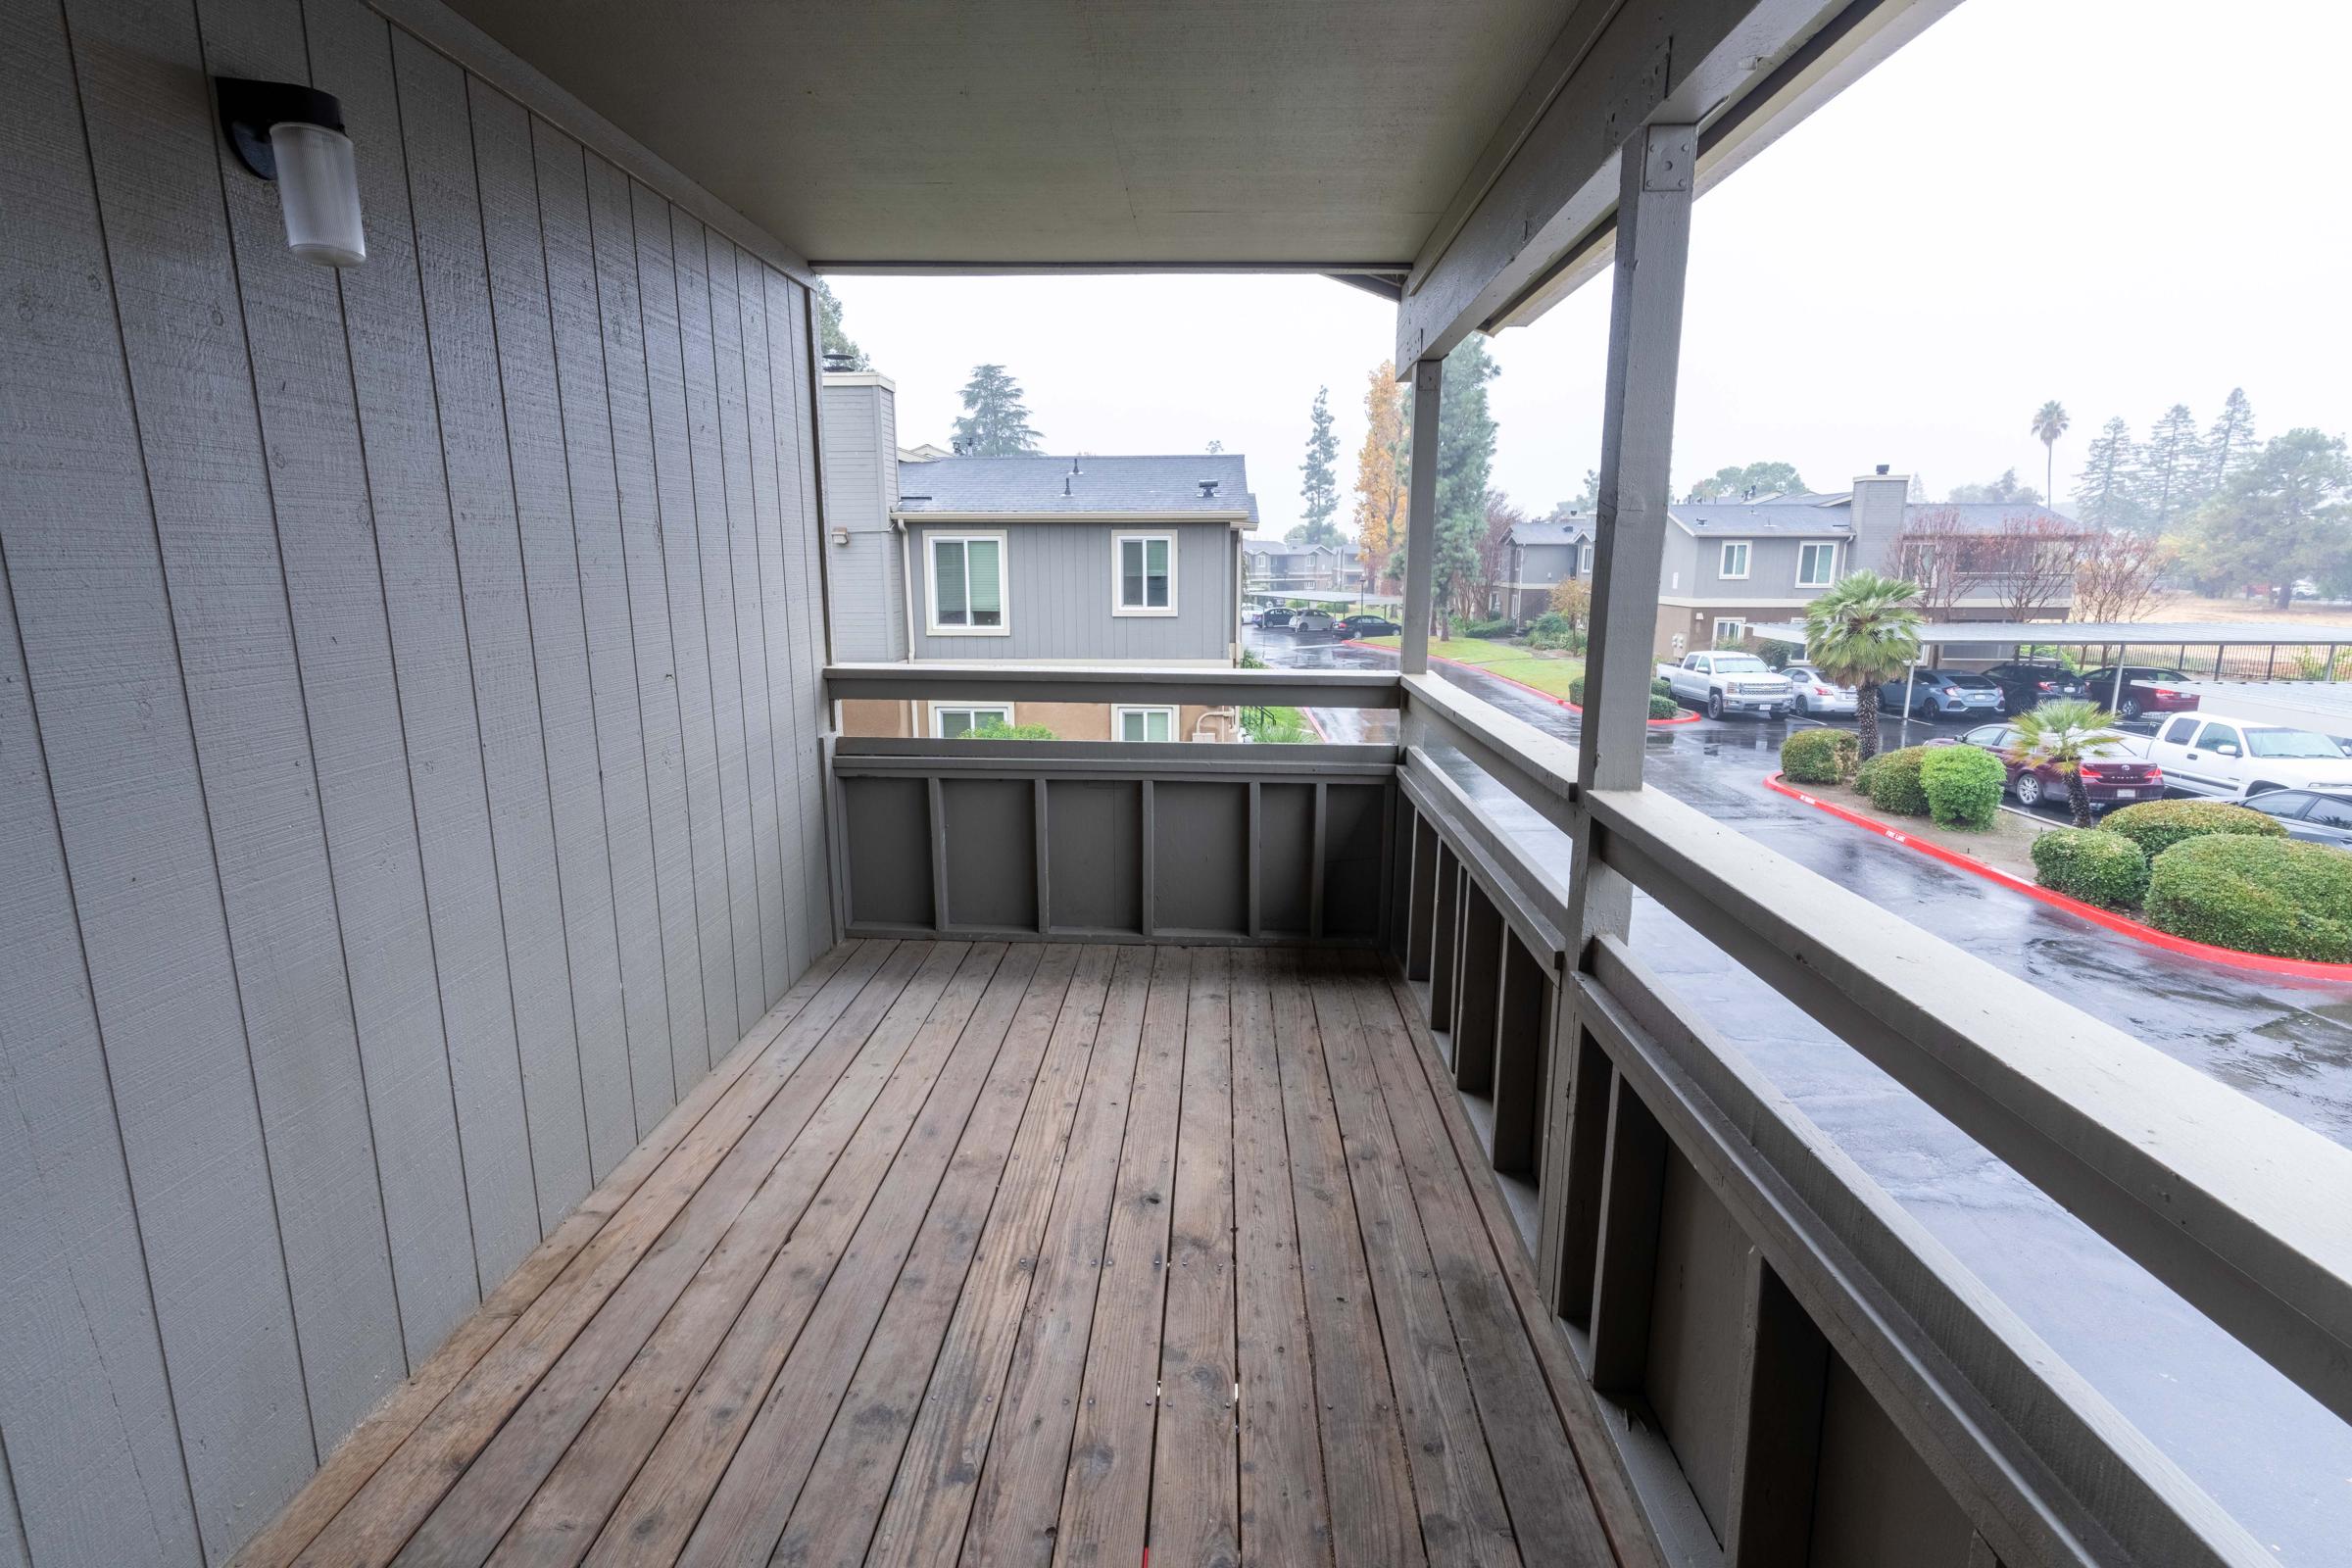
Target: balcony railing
1774	1353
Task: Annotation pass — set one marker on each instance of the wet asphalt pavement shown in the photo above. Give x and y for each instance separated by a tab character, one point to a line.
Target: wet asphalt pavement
2267	1451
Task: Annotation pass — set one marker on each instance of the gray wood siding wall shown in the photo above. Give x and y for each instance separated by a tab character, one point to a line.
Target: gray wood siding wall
1543	563
408	734
1772	561
861	473
1059	584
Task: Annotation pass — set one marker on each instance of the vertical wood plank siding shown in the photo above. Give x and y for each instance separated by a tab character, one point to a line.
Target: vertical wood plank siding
409	729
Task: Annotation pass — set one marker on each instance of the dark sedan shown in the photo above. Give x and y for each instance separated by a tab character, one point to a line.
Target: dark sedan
2114	776
2032	685
1368	627
1279	616
2316	816
2144	689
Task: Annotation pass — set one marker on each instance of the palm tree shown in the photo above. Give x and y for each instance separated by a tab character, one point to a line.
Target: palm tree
2061	735
2049	423
1860	633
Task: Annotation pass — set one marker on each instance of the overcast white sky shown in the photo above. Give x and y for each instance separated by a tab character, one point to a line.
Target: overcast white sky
2121	204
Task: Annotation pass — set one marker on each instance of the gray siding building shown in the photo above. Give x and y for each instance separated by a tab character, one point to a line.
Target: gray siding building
861	493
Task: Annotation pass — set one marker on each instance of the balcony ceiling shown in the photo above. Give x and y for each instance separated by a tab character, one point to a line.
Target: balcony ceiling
1033	131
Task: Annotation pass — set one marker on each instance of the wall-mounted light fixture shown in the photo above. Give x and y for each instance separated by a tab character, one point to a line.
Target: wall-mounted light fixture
292	134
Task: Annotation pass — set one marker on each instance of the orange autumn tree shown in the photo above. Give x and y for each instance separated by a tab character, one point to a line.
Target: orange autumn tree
1380	475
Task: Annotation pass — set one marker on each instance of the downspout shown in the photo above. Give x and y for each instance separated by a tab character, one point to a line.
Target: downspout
914	727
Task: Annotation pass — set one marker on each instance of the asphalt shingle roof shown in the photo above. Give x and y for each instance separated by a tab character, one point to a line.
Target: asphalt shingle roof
1032	486
1551	533
1746	520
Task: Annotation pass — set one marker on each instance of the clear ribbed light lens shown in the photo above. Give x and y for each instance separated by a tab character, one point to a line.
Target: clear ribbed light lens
319	189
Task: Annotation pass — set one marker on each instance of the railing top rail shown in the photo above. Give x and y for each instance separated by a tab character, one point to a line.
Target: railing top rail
1210	685
2243	1211
1538	769
1125	759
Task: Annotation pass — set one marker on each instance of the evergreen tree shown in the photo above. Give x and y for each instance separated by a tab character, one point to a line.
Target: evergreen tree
1321	491
2104	493
1583	504
2286	514
994	422
1756	479
2227	444
1466	434
2008	487
2168	464
847	354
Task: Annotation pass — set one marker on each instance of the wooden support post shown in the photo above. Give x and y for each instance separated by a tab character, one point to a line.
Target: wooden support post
1421	520
1632	1189
1424	906
1445	939
1785	1373
1519	1057
1479	991
1646	335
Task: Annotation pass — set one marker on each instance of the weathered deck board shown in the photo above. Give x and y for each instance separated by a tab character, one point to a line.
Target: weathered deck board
960	1257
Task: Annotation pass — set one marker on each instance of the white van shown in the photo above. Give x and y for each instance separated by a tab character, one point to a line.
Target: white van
2230	757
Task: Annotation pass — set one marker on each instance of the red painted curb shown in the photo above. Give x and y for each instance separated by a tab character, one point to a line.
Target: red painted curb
2300	969
1532	691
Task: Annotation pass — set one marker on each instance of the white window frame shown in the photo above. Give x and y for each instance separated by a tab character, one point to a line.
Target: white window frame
1830	547
1120	710
938	729
931	543
1737	623
1724	560
1118	587
1584	560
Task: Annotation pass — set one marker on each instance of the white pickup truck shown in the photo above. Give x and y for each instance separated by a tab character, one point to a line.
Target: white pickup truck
1729	683
2232	757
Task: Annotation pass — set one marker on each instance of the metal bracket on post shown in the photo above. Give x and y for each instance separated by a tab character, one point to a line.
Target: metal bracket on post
1421	518
1646	332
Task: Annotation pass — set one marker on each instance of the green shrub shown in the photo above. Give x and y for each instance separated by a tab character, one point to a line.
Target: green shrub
1492	626
2156	825
1665	707
1864	774
1894	784
1660	686
1963	785
1576	690
1819	757
2091	865
2257	894
998	730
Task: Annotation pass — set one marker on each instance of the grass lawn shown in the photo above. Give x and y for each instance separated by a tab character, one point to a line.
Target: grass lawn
1278	725
1547	672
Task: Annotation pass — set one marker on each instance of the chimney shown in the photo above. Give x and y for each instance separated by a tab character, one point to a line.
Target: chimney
1877	514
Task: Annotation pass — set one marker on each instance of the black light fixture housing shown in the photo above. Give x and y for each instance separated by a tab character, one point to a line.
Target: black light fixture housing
293	135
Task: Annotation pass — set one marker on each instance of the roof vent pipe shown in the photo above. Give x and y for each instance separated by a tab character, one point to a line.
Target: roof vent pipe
1208	487
1065	483
1882	467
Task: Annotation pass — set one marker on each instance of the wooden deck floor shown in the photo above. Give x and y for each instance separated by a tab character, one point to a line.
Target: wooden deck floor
992	1253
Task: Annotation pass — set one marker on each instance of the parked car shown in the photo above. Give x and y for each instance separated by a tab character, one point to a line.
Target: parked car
1815	695
1368	627
1729	683
2117	774
2146	689
2316	816
1278	615
2231	759
1314	623
2026	685
1942	694
1252	616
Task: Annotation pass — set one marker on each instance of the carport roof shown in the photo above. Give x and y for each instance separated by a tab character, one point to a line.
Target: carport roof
2087	633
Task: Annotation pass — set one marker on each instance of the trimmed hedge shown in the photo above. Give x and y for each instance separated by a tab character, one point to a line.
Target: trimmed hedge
1576	690
1894	784
998	730
2257	894
1494	626
2091	865
1660	686
1819	757
1963	785
1865	773
1665	707
2156	825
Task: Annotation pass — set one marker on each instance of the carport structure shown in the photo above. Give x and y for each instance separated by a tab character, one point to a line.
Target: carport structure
496	1076
2122	643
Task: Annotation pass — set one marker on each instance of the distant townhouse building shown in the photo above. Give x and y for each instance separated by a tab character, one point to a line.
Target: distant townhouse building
1276	567
1039	559
1537	556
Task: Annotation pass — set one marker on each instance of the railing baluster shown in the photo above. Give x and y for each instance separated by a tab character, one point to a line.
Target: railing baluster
1445	941
1479	994
1785	1368
1423	899
1578	1165
1633	1186
1519	1051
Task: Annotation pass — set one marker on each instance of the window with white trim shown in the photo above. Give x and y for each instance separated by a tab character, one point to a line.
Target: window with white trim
1143	723
1585	564
967	585
1734	559
1816	564
1730	628
951	720
1143	571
